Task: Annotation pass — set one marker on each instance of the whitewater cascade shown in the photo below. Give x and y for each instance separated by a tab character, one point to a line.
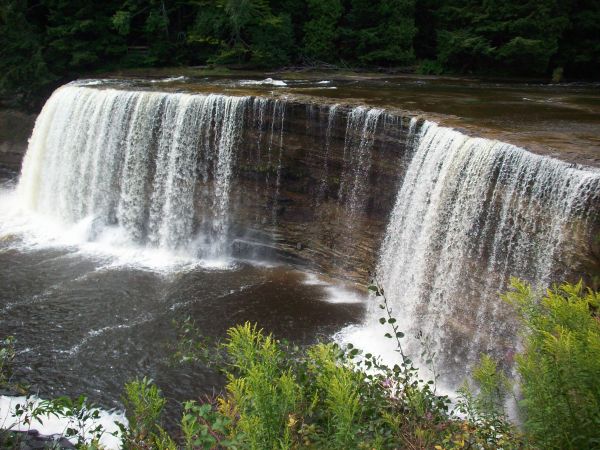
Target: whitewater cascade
471	213
134	159
156	169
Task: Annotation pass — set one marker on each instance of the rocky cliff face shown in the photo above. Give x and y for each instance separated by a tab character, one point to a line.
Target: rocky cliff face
321	189
15	129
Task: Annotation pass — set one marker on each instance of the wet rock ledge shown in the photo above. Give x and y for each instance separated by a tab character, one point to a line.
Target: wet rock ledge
15	129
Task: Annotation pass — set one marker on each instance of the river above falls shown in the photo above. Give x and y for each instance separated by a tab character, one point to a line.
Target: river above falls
561	120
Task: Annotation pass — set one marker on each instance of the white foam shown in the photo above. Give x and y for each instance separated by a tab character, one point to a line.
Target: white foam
312	279
110	244
169	79
56	425
143	318
337	294
334	292
266	81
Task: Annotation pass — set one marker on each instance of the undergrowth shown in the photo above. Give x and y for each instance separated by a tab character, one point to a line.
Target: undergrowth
278	396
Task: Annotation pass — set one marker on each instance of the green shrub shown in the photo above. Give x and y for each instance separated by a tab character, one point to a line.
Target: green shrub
559	367
7	356
262	392
327	397
143	406
487	424
192	347
338	385
430	67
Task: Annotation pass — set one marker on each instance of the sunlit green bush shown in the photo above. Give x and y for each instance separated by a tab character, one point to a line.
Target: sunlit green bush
325	396
559	367
144	404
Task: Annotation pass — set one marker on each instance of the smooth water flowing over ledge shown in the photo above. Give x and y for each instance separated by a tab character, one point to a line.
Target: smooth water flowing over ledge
560	120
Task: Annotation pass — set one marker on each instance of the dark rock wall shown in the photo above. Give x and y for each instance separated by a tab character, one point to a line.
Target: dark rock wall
15	129
294	208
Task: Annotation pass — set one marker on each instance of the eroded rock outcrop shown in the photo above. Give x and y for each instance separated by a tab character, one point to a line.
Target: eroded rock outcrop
15	129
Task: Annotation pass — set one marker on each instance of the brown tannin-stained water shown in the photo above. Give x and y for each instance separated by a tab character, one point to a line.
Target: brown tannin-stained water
87	321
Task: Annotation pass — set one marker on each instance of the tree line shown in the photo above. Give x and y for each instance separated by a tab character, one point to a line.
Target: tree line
45	42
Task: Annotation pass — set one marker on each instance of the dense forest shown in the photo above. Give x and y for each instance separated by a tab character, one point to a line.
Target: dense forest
46	42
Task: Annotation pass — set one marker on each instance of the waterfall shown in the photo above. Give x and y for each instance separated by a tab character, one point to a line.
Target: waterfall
333	109
192	173
278	119
132	160
268	121
360	135
471	213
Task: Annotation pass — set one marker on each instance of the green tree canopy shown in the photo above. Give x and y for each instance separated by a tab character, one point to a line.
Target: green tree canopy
47	42
513	36
380	33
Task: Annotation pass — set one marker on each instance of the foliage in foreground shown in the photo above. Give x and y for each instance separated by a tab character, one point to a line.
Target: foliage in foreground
328	397
560	366
79	414
281	397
